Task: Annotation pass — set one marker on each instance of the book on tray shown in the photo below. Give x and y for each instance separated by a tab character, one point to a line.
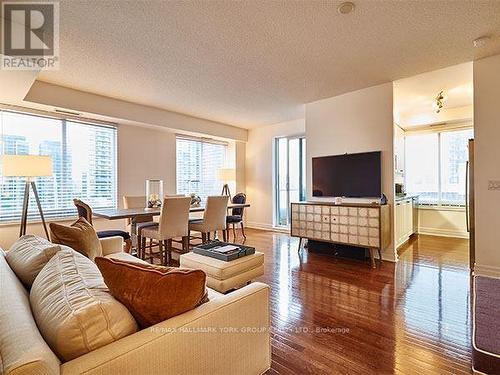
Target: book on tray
223	250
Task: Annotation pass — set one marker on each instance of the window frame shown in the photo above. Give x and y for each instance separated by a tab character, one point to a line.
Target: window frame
66	213
439	132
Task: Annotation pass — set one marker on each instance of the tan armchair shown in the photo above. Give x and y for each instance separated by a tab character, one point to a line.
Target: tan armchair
173	223
214	218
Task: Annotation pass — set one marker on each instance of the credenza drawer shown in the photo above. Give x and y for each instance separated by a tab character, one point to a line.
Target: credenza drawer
353	211
353	239
363	240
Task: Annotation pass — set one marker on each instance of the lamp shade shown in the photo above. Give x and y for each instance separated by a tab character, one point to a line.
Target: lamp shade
227	174
26	166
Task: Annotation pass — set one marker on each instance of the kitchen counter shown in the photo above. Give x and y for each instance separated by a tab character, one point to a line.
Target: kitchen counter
405	197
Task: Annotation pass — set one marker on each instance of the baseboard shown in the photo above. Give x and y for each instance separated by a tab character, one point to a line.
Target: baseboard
442	232
488	271
264	226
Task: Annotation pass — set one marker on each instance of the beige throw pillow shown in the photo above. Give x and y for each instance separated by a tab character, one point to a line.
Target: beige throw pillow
73	308
28	255
80	236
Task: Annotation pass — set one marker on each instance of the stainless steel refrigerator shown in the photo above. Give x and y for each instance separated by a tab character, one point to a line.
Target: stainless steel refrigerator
469	204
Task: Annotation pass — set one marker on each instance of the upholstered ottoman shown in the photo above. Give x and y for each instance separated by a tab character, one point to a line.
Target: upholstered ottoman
224	276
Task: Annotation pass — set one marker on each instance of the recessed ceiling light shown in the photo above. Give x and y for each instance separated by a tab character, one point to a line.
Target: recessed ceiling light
346	7
481	41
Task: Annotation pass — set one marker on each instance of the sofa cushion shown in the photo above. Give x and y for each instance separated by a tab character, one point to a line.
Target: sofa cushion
73	307
22	348
28	255
80	236
153	293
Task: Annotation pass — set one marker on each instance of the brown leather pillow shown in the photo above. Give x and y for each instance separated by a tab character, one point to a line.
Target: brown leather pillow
80	236
153	294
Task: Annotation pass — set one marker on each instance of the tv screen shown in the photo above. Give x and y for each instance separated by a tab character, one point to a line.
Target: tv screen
349	175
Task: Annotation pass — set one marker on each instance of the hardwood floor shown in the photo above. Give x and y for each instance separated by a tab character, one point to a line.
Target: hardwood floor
337	316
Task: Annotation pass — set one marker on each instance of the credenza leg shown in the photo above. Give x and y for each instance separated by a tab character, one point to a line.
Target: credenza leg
372	257
379	256
300	245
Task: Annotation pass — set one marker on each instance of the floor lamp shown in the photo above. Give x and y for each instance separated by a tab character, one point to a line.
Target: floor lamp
28	166
226	175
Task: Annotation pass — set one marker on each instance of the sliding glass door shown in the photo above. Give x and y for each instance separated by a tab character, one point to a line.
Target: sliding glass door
290	178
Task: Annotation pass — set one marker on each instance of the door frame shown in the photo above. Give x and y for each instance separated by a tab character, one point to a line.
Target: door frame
275	178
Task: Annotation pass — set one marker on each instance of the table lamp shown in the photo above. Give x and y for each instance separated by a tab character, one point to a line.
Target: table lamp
28	166
226	175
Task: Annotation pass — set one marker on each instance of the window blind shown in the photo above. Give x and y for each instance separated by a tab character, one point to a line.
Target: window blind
197	164
83	159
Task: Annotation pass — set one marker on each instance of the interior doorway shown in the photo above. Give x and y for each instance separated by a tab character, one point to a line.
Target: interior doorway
290	176
433	157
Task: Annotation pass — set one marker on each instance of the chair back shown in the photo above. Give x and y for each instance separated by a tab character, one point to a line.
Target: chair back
136	201
175	195
214	217
239	198
174	218
83	209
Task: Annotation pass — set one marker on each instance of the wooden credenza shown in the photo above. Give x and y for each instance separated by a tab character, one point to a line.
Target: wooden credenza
361	225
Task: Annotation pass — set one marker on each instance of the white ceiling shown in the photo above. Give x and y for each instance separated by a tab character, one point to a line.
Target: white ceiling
256	62
414	96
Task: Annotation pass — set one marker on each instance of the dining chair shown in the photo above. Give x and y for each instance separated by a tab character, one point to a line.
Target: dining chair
214	218
85	211
174	219
236	216
142	221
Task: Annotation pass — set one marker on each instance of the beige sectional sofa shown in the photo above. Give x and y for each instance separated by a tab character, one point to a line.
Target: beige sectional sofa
227	335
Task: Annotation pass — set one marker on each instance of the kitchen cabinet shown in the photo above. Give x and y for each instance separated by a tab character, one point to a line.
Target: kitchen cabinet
406	220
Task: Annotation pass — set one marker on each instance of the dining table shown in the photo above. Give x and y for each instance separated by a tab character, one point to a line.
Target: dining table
134	213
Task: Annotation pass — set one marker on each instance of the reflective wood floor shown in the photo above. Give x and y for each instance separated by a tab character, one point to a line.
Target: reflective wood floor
337	316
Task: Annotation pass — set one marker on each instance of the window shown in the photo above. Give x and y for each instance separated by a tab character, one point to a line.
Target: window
436	166
290	176
198	162
83	161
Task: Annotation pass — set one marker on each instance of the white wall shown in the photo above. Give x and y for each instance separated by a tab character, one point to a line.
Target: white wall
358	121
259	165
487	155
145	154
51	95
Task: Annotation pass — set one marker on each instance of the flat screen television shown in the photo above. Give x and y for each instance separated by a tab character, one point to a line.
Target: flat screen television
348	175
